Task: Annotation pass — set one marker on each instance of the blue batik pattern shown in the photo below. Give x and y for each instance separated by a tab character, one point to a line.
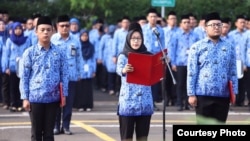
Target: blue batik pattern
41	73
210	67
134	99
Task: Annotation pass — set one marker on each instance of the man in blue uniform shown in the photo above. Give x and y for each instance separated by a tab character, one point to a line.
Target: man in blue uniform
211	65
43	69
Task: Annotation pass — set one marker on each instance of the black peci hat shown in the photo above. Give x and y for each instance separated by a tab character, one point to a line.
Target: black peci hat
212	16
44	20
63	18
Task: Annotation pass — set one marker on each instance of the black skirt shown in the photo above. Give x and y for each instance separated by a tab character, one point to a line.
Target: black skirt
84	94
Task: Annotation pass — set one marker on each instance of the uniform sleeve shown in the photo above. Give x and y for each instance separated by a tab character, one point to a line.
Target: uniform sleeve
64	77
115	44
192	70
233	70
120	64
25	73
79	61
5	55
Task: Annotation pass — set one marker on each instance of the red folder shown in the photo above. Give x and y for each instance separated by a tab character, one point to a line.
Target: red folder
231	92
148	69
61	95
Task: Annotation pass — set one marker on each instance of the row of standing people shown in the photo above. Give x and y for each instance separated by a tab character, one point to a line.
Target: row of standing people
40	66
178	48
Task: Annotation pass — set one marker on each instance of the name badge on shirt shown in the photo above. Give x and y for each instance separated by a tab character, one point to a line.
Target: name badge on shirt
156	44
86	67
73	51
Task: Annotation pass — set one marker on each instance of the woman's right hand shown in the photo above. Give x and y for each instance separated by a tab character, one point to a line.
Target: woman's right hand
127	68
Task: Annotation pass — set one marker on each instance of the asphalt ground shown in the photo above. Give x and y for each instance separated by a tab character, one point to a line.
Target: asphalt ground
101	124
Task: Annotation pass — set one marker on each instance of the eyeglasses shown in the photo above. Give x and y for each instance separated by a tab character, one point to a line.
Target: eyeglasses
213	25
135	39
64	25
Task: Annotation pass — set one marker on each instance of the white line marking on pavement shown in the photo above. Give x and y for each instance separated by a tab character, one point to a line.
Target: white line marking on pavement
24	114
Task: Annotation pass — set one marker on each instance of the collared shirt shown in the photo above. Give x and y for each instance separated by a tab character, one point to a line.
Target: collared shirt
119	41
105	52
228	39
169	33
33	37
134	99
1	50
200	31
180	47
72	47
41	73
210	67
12	53
247	50
150	39
240	40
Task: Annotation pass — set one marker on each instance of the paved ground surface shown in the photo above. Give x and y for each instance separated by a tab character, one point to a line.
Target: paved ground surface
101	124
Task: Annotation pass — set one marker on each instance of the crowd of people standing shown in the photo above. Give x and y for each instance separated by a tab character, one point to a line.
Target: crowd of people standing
94	56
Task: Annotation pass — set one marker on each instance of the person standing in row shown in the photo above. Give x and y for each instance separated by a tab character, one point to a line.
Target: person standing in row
72	48
118	42
44	67
135	106
211	65
84	98
179	51
5	86
16	44
241	40
169	31
153	46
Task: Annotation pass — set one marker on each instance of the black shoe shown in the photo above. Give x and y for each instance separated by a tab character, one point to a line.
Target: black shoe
56	131
180	109
156	108
66	131
187	108
13	109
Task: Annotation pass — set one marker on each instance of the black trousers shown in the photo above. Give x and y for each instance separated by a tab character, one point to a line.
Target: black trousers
84	97
42	116
242	89
247	83
181	87
111	81
65	114
6	89
170	88
101	76
15	100
215	108
140	124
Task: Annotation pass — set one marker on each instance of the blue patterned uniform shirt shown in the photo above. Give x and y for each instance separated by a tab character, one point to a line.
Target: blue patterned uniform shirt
134	99
119	41
150	39
33	37
240	40
1	48
11	53
41	73
210	67
180	47
247	49
72	48
200	31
